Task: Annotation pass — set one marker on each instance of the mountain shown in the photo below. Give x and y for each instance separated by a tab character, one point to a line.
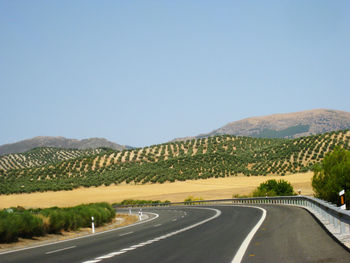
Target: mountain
59	142
289	125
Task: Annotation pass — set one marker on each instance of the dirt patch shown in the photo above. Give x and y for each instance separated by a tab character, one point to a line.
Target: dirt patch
119	221
212	188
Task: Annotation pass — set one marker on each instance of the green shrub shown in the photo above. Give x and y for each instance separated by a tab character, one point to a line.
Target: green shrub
332	176
19	224
274	188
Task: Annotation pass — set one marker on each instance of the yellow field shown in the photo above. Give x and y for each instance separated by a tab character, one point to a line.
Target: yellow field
207	189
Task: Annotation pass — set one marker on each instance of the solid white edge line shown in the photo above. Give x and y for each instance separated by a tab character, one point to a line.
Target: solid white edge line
242	249
86	236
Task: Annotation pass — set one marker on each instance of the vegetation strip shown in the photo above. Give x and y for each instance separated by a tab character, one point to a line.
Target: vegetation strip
155	216
17	222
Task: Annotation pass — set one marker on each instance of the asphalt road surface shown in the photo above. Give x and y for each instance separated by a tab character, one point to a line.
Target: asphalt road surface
200	234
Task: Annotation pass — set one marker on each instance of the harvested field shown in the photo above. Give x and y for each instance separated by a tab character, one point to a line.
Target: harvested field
212	188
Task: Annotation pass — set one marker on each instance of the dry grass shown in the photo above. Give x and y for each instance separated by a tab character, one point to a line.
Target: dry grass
213	188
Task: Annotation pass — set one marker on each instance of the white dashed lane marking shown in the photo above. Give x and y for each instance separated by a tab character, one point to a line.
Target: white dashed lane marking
98	259
124	234
58	250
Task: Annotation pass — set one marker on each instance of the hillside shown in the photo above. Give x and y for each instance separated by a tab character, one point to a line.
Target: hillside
42	156
218	156
59	142
289	125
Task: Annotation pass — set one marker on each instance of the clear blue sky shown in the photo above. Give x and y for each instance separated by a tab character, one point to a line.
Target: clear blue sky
145	72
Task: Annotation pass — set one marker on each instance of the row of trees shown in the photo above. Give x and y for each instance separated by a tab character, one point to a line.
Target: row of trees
221	156
44	156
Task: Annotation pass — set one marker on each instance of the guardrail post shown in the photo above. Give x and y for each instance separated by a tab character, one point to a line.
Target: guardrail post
342	227
335	222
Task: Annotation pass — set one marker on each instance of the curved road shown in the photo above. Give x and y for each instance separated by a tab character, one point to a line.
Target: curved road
200	234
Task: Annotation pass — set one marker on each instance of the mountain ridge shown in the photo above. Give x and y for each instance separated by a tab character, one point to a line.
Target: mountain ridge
284	125
59	142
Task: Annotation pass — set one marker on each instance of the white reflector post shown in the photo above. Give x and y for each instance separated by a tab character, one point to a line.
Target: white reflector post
92	225
342	199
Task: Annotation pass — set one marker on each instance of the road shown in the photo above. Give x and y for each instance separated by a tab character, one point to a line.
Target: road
203	234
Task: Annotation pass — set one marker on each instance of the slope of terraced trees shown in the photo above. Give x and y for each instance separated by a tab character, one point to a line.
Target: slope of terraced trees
218	156
42	156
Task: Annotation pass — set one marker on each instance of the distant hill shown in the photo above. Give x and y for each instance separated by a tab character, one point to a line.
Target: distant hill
59	142
289	125
217	156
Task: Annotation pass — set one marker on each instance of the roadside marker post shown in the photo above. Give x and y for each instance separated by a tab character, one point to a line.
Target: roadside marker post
92	225
140	214
342	199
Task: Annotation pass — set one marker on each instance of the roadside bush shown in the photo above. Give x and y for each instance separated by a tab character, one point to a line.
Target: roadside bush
332	176
274	188
19	224
80	216
15	223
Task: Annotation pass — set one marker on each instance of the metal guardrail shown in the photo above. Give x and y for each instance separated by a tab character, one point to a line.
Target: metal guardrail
334	215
